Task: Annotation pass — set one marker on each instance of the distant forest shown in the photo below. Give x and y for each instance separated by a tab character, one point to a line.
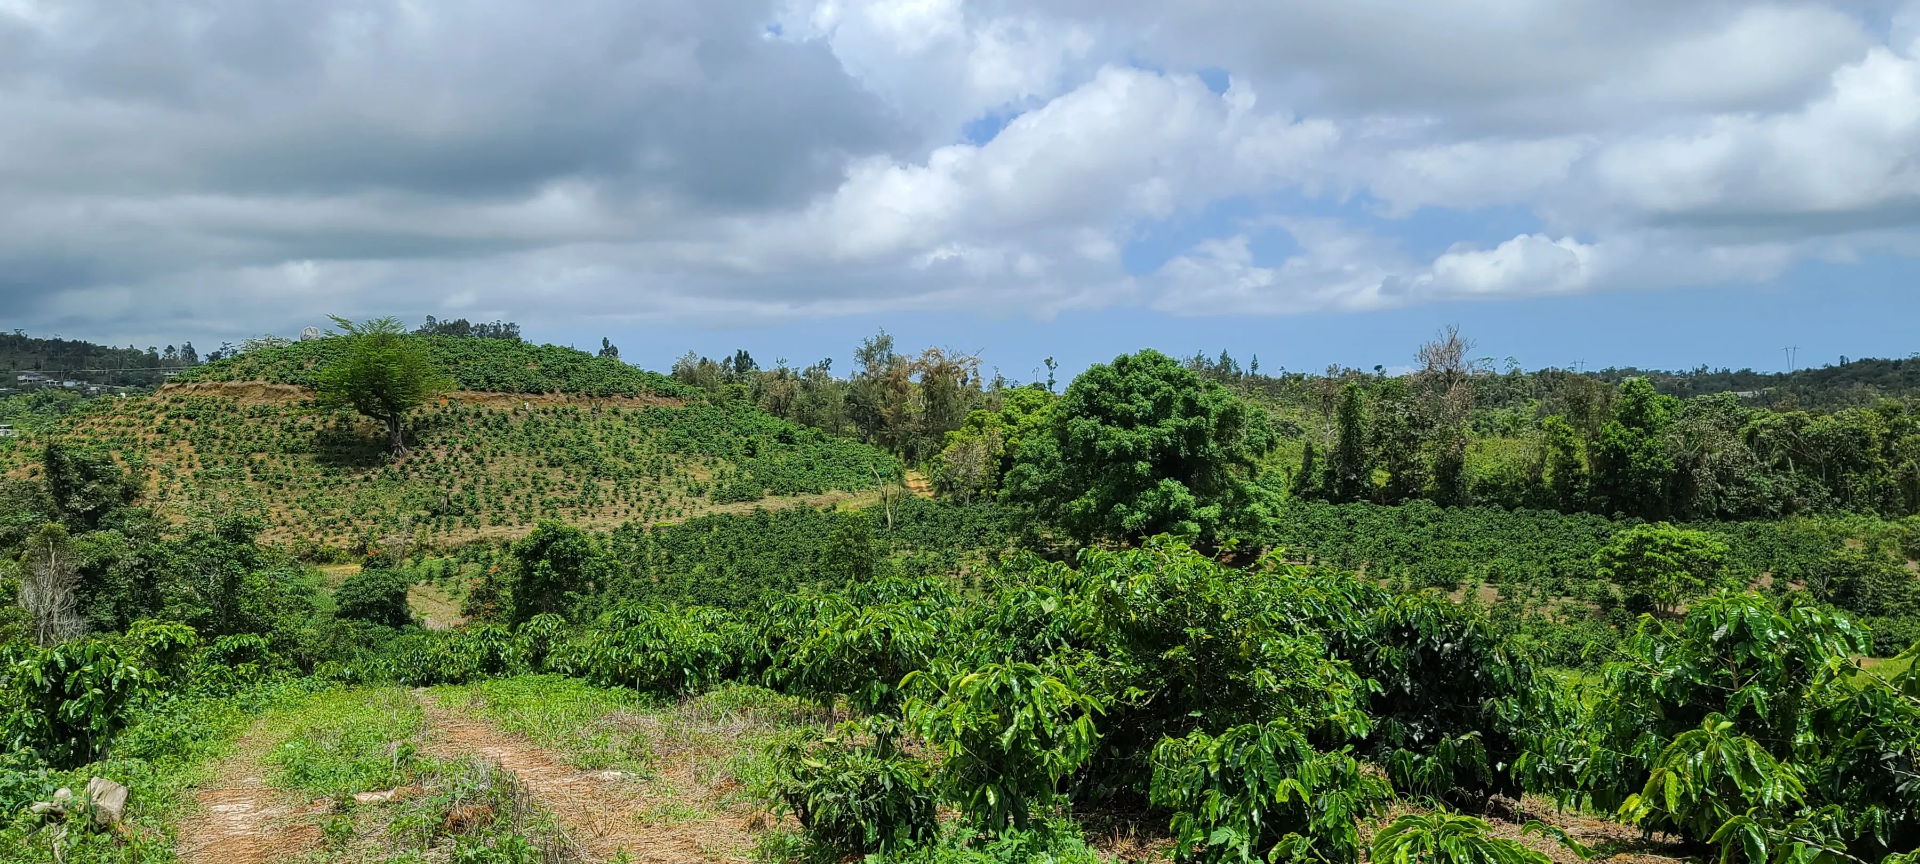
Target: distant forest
97	364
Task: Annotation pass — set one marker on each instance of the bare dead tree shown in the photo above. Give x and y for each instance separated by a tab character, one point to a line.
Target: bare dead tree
1447	395
47	589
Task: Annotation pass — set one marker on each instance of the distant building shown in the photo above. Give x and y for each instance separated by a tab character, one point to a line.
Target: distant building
32	378
6	431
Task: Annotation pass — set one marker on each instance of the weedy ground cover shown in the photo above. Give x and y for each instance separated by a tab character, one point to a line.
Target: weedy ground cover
591	728
165	752
360	751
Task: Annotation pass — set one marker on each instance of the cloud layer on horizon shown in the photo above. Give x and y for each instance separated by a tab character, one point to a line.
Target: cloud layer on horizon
241	165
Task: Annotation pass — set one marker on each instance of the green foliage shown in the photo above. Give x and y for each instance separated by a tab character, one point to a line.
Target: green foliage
458	656
1450	693
740	560
374	596
558	564
1143	446
652	649
976	457
1425	545
856	793
1008	735
1350	462
1706	777
85	485
1630	462
1661	567
67	702
382	373
488	365
343	742
1446	838
829	645
1262	792
1745	725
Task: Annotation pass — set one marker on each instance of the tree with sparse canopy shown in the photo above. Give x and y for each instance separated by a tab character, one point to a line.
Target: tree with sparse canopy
383	374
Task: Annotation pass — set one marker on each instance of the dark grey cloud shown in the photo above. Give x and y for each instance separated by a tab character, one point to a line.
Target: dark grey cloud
232	167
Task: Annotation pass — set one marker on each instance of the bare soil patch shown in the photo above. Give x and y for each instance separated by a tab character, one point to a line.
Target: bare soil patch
242	820
670	816
432	605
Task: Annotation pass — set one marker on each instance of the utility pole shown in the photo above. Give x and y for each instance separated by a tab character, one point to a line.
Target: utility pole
1791	351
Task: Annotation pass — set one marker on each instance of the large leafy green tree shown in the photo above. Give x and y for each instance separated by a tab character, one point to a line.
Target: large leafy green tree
558	564
1144	446
1662	567
1351	462
85	485
378	596
1631	466
383	374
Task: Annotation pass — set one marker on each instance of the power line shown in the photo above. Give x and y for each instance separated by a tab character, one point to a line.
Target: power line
1792	352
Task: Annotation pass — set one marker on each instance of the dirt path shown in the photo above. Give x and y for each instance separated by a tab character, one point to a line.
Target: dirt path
242	820
605	812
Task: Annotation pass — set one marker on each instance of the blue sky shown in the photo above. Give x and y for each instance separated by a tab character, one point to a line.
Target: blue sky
1615	181
1865	310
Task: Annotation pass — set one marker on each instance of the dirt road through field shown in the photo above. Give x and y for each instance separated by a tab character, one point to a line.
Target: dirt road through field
242	820
659	819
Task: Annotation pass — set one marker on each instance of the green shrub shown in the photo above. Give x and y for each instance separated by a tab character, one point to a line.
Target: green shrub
374	596
1260	792
1007	734
1446	838
651	649
855	792
67	702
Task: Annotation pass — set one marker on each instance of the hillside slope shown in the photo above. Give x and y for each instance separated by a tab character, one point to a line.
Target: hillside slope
601	443
485	365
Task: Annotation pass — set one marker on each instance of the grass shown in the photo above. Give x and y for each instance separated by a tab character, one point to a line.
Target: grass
165	753
342	742
336	744
591	728
461	810
1888	667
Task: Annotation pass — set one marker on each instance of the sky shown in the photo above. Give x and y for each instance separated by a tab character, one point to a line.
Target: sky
1599	182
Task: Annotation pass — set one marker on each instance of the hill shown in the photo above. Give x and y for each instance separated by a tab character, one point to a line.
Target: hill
1851	384
480	365
537	432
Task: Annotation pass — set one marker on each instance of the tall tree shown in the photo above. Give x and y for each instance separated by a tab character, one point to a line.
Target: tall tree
1631	466
1144	446
1351	461
85	485
558	565
1444	377
383	374
1566	467
1661	567
1399	432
